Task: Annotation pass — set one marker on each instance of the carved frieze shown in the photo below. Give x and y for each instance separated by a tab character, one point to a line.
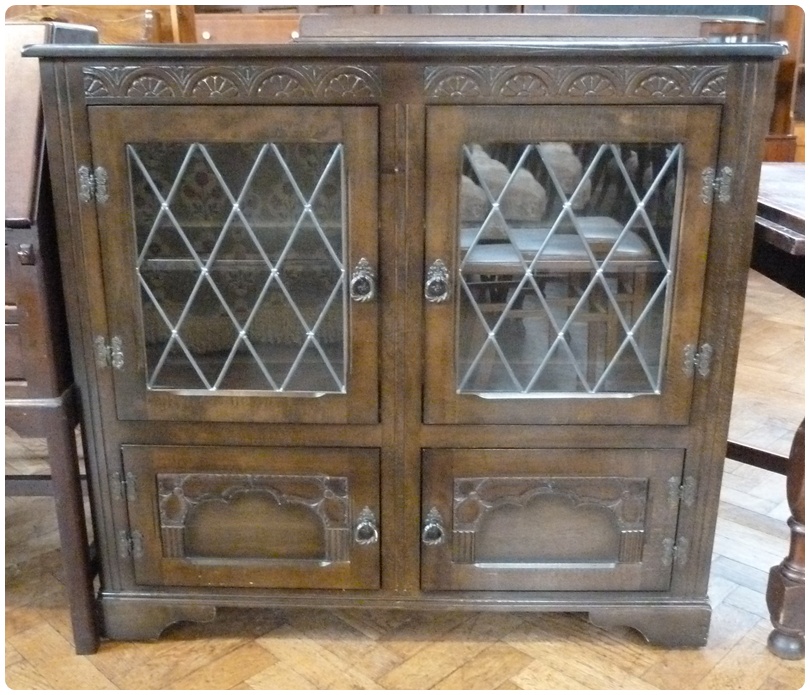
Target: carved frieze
326	496
624	498
528	83
281	83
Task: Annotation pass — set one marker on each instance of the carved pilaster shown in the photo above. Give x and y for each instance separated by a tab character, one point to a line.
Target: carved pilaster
464	546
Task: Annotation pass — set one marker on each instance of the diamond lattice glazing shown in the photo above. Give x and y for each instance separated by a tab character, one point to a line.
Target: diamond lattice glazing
241	265
565	271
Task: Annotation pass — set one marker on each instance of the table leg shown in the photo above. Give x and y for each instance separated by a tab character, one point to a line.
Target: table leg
785	595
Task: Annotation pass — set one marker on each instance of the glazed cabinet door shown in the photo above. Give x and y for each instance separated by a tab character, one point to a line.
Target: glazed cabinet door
239	253
565	257
549	520
254	517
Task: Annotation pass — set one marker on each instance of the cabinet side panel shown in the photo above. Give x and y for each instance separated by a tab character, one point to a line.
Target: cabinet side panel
743	128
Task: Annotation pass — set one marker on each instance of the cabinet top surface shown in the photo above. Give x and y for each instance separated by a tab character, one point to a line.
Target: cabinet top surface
427	48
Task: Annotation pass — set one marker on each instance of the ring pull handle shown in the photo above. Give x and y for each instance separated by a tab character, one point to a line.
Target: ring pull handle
363	285
437	282
366	531
433	531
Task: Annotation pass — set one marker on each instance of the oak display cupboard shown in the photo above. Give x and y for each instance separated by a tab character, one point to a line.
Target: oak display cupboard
407	324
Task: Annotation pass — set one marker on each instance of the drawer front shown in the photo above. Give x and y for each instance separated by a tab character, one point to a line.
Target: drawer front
556	520
254	517
236	28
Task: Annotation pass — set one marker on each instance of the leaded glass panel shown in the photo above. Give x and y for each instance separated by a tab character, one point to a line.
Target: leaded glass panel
241	265
565	275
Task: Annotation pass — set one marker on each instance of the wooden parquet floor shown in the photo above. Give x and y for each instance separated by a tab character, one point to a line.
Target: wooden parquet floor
377	650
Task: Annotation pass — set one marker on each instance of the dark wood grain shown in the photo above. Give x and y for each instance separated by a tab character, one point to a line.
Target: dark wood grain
401	436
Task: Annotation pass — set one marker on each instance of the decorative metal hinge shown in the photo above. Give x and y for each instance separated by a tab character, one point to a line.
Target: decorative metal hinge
697	359
27	254
130	544
682	491
123	486
716	184
93	185
675	551
111	355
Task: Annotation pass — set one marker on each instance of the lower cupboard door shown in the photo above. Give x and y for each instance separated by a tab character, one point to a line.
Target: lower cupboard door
549	519
254	517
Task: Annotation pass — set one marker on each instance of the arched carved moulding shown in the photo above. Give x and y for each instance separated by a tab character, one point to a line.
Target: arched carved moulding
625	499
282	83
465	83
325	496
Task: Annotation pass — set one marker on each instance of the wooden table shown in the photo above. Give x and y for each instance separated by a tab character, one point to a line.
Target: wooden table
780	206
779	235
779	228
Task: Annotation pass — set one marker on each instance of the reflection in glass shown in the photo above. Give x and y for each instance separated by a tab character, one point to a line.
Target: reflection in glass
241	265
564	266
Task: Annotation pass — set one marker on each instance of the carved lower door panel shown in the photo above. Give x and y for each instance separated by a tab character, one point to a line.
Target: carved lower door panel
254	517
549	519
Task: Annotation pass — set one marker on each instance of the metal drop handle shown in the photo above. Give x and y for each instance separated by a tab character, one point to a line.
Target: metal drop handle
363	285
437	282
366	531
433	531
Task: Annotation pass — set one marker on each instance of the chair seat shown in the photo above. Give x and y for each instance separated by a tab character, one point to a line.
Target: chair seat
562	252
